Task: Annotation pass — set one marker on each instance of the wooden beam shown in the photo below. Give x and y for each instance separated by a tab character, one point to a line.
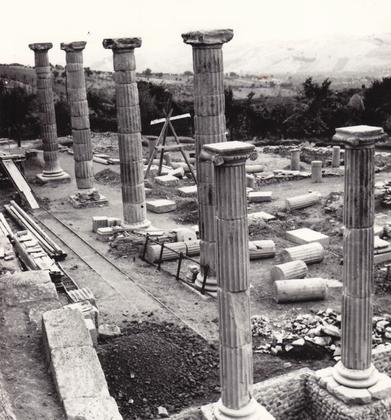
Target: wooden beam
176	117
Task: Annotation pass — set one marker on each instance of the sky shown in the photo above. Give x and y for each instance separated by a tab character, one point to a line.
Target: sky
160	23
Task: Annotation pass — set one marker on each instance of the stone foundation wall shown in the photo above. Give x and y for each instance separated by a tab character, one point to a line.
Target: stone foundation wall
321	405
284	396
309	153
297	395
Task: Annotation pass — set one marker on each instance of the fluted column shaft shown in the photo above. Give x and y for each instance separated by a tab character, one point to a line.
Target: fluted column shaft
210	127
77	98
129	130
355	369
232	278
358	258
236	366
47	115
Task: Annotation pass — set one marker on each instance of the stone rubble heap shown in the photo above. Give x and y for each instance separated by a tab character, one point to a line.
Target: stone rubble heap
308	330
383	192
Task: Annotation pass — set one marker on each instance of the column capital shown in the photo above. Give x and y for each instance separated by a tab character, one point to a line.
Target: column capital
121	44
208	38
74	46
41	46
359	136
230	152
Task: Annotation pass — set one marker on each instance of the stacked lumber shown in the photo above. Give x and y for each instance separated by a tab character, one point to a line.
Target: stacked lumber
29	224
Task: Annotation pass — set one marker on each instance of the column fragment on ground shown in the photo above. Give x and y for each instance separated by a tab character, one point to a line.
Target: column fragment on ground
209	121
129	131
355	370
52	170
236	367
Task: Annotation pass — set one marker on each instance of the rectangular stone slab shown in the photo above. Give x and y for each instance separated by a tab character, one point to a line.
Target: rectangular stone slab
306	236
64	328
77	373
253	217
189	191
167	180
260	196
161	206
91	409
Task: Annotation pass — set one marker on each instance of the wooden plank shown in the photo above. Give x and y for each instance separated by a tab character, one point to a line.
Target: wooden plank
176	117
20	182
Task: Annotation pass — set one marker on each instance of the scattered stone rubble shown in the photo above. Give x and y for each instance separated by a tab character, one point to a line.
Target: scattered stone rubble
322	330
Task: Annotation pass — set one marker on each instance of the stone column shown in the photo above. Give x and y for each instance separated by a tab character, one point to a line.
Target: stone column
316	171
129	131
52	170
336	159
82	147
209	121
236	368
355	370
295	160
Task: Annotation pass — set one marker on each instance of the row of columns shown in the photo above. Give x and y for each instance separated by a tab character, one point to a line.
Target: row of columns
128	117
223	210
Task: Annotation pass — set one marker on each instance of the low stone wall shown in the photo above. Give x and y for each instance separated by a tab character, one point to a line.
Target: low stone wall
283	396
297	395
76	370
310	153
307	153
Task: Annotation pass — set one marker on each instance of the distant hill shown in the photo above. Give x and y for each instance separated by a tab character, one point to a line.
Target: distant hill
370	54
337	54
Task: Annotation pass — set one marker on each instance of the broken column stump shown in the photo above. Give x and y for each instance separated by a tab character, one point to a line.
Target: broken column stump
236	372
295	160
129	131
210	127
52	171
336	158
316	171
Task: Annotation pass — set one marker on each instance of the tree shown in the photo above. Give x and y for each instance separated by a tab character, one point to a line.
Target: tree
377	100
317	112
147	72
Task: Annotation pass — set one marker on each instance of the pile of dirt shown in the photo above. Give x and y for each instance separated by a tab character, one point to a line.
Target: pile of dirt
159	365
108	177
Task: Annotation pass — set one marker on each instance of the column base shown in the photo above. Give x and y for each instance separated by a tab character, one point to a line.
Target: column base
210	285
54	177
378	384
353	378
88	198
252	411
325	404
145	224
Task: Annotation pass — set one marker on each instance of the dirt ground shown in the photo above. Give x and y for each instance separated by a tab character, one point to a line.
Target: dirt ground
181	305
